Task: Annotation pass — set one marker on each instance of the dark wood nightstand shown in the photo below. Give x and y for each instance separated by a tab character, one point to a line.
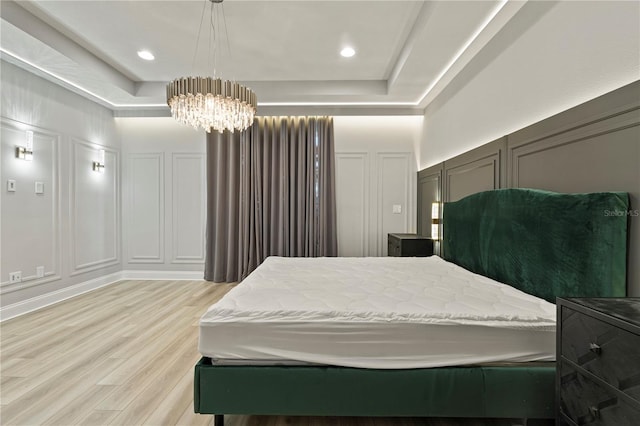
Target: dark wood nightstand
409	245
598	362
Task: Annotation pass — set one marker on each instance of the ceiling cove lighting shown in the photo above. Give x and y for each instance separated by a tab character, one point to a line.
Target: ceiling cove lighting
146	55
347	52
26	152
72	84
211	103
464	48
417	102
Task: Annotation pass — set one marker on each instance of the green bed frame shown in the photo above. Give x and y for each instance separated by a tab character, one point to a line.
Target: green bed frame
547	244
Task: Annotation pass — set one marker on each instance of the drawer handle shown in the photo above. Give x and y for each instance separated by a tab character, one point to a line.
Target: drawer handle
595	413
595	348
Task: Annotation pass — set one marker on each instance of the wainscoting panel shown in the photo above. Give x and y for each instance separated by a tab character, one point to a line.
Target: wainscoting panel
394	186
480	169
189	208
592	147
27	214
352	202
94	220
600	155
145	227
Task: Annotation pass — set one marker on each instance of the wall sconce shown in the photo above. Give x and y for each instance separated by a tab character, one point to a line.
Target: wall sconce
435	221
98	166
26	152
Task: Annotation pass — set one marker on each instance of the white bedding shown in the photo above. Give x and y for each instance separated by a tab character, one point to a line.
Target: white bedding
383	312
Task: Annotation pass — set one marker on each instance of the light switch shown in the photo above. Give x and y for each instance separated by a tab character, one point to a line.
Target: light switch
11	185
397	208
39	187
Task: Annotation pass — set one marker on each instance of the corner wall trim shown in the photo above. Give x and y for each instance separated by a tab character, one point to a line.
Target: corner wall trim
42	301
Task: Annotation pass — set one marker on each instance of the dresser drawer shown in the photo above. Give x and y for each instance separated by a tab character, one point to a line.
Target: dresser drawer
393	247
587	402
409	245
611	353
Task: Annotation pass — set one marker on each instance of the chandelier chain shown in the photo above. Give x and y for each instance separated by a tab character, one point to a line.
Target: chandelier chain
195	53
211	103
226	31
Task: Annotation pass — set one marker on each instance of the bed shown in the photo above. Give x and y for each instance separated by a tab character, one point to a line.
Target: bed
540	243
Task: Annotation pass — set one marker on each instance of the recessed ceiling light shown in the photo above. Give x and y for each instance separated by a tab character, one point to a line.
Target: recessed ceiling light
146	55
347	52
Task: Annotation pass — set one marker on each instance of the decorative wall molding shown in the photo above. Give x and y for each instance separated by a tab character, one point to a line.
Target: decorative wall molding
480	169
135	162
28	282
362	182
79	168
592	147
599	156
382	161
195	201
43	137
519	150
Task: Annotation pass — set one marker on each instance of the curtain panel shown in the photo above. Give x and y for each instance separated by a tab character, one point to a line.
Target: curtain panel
270	192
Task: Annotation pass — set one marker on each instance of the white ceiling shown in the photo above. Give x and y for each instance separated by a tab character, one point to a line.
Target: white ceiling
286	51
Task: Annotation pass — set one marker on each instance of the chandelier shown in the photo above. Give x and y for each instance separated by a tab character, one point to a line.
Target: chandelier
211	103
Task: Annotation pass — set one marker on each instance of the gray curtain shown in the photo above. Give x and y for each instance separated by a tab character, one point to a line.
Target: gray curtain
270	191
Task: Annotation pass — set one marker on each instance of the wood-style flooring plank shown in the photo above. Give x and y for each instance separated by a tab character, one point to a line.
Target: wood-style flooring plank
75	411
56	394
95	418
180	396
134	339
149	401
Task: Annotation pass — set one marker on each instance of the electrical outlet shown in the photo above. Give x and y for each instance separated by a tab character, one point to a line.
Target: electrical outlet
40	271
15	277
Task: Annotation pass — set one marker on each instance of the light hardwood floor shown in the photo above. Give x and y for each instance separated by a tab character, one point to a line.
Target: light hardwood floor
124	355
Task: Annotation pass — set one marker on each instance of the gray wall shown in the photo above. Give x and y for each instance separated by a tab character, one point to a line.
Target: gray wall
375	169
163	191
482	169
143	217
73	228
590	148
164	199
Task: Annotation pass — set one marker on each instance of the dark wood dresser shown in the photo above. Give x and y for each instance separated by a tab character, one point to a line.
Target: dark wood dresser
409	245
598	364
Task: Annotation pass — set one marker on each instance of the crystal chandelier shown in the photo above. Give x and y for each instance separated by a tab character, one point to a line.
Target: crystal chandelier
211	103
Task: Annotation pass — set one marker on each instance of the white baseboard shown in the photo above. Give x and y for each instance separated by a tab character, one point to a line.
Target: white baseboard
39	302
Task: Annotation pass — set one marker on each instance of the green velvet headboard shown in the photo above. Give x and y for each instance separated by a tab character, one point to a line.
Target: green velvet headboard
544	243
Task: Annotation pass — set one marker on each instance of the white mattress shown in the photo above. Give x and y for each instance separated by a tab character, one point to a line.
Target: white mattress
383	312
